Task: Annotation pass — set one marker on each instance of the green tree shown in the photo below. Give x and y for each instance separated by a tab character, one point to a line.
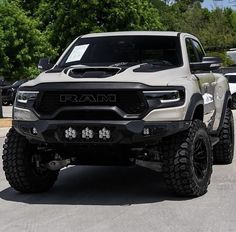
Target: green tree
66	19
172	12
219	32
29	6
184	5
216	29
21	43
194	20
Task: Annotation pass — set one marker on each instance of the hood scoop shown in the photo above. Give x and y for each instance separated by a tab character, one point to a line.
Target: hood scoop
96	72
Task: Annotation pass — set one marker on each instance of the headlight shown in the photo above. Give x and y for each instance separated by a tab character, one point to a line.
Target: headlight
25	96
23	114
165	97
19	111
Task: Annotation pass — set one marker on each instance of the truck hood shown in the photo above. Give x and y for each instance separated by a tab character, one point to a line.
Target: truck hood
152	78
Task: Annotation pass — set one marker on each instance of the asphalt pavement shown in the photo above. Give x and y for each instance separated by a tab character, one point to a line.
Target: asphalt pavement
111	199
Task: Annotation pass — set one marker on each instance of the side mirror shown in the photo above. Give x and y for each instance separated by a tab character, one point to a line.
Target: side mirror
45	64
207	64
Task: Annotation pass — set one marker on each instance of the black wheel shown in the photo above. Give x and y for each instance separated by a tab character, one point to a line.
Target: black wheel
21	169
187	161
224	150
5	103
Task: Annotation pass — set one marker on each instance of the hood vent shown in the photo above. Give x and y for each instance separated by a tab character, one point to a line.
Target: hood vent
92	72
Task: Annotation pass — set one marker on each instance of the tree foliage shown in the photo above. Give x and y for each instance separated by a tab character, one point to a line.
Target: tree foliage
215	28
21	43
30	30
69	18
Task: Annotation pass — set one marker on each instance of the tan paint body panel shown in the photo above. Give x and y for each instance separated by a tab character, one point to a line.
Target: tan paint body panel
180	76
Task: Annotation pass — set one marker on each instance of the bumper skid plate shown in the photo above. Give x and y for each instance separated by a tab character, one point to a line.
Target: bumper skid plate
99	132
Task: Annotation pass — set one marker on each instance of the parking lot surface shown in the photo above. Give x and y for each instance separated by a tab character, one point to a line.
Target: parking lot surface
105	199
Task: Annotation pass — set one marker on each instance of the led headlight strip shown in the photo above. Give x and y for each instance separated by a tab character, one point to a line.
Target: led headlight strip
165	96
24	96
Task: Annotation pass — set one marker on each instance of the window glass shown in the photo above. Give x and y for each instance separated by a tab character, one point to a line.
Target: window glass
109	50
77	53
199	50
191	53
231	78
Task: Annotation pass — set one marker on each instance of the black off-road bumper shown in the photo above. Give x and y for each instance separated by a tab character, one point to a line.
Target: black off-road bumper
121	132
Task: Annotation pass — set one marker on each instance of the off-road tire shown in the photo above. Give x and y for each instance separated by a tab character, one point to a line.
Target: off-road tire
19	169
224	150
178	154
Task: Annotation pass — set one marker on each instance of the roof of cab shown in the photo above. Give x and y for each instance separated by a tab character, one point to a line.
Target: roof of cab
128	33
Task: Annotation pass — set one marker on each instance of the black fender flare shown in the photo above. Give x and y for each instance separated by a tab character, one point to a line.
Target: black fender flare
195	101
227	98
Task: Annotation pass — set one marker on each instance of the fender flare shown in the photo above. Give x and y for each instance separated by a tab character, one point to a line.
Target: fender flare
195	101
227	98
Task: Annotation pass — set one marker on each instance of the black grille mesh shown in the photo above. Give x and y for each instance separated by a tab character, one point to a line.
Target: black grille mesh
130	102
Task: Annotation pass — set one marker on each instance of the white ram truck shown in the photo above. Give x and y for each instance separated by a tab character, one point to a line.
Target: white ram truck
123	98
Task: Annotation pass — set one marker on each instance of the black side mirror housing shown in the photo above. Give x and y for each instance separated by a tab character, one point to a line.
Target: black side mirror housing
45	64
207	64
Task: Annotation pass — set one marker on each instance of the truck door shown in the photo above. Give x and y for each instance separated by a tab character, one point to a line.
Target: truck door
206	79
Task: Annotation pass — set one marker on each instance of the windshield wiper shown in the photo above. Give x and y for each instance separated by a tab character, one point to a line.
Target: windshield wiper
120	64
158	62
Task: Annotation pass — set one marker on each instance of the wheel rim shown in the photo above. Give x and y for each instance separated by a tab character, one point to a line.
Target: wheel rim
200	158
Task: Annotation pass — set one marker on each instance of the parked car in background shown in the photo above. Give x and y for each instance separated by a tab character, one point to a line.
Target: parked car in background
9	92
232	85
3	82
232	54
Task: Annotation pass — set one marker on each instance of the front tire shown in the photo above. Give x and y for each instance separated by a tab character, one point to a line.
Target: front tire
224	150
20	168
187	161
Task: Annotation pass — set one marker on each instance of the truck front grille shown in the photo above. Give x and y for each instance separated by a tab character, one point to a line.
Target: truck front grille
90	105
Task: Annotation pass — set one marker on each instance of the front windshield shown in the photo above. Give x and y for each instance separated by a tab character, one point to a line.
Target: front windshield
124	50
18	83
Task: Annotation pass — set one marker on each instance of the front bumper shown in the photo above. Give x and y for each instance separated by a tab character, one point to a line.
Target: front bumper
122	132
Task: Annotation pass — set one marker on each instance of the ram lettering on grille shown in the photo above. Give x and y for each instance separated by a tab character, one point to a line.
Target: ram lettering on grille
89	98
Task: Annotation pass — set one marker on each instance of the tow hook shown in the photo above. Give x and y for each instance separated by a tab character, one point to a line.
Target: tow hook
55	165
